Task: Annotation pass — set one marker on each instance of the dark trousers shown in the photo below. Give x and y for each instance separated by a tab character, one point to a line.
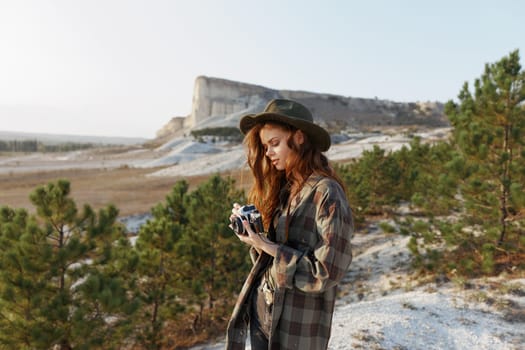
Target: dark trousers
258	339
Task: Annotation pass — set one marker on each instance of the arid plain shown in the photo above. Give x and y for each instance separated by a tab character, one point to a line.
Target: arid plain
136	177
98	177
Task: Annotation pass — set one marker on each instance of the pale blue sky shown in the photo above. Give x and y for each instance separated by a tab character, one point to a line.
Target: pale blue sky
125	67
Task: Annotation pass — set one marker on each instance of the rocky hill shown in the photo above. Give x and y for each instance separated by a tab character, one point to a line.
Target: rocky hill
219	102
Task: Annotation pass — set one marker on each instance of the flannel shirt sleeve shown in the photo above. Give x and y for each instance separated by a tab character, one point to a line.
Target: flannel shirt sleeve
325	266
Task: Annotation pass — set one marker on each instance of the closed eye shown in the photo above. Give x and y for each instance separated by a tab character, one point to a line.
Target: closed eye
272	143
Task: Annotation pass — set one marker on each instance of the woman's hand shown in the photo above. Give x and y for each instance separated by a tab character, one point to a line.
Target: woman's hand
254	239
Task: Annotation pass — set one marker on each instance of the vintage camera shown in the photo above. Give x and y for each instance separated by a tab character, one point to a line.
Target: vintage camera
252	215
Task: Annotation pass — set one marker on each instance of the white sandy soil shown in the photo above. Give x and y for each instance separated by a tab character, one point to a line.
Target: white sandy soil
384	308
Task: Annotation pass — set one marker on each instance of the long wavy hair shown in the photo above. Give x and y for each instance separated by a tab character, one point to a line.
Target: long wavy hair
304	160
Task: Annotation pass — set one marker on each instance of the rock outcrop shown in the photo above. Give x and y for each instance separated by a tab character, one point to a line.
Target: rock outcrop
213	97
176	124
220	102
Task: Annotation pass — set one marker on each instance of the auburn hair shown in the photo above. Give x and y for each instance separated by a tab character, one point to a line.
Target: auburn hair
304	160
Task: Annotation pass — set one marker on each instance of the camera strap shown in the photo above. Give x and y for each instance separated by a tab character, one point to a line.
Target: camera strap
287	223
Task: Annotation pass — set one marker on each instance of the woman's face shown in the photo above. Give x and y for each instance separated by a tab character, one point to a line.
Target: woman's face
275	141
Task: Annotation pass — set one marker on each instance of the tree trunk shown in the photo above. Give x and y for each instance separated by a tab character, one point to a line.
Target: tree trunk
212	283
61	238
504	188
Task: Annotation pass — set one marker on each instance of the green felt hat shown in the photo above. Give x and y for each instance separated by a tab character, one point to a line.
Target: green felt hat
292	113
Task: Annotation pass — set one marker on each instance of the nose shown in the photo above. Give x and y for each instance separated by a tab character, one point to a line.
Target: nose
269	151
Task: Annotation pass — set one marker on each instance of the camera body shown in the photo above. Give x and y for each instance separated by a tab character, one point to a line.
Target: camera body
250	214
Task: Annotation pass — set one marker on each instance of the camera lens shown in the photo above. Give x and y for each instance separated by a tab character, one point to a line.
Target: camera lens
238	226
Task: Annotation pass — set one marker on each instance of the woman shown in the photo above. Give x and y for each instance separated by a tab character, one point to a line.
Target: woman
288	298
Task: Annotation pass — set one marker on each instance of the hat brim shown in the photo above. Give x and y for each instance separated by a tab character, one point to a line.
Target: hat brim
316	134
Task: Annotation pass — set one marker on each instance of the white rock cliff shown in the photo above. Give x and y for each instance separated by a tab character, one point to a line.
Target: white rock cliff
220	102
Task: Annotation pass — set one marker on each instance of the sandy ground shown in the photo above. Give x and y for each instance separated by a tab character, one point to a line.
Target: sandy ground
382	306
98	178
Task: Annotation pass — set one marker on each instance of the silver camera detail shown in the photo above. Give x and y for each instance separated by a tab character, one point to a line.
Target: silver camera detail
251	214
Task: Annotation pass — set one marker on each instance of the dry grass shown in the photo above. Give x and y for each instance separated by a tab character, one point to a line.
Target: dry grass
129	189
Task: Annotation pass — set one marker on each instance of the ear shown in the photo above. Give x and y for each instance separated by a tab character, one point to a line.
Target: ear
298	137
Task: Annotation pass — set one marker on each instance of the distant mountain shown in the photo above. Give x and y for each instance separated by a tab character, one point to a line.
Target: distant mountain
61	138
220	102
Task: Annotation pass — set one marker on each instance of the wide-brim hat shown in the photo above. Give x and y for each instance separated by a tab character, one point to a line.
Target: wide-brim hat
292	113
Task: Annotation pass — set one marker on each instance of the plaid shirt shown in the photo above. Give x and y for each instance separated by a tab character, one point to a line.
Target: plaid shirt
306	270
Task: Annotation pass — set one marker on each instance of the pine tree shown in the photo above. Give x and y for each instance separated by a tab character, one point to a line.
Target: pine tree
373	182
426	178
104	302
214	260
489	126
46	262
159	286
23	281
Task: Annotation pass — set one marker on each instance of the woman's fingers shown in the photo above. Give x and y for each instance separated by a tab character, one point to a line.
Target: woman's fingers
236	207
248	227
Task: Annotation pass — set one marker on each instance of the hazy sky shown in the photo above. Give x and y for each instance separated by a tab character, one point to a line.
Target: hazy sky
125	67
